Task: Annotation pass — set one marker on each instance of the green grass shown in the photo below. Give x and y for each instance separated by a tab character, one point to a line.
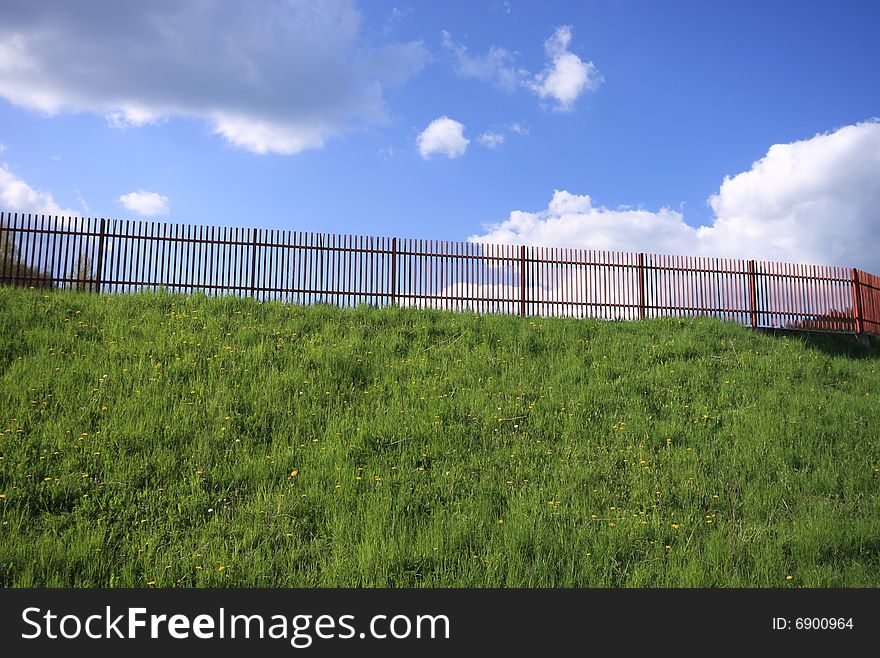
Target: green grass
171	441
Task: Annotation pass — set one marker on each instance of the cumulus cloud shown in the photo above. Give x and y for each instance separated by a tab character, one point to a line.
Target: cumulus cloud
283	78
443	135
145	203
564	79
566	76
812	201
571	220
17	196
491	139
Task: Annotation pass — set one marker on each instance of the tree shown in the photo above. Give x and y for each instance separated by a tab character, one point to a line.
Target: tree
84	275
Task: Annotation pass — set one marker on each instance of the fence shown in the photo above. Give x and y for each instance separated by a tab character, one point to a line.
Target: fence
117	256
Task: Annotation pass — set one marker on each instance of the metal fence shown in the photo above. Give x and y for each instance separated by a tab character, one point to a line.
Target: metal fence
117	256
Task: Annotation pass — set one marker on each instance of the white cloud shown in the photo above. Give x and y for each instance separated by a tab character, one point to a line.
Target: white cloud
81	201
564	79
566	76
571	220
281	79
386	153
145	203
495	67
18	196
443	135
491	139
396	17
2	147
518	128
811	201
816	198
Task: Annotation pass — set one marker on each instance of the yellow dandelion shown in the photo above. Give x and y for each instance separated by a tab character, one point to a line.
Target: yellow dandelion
293	473
675	526
789	577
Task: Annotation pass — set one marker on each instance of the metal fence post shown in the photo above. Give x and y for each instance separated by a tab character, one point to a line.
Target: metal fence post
522	280
100	266
393	271
753	294
253	261
4	246
857	302
641	286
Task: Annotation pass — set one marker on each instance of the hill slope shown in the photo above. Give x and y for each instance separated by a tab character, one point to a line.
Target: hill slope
172	441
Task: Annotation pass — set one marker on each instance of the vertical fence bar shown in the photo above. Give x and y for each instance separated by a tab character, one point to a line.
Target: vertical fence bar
393	271
4	246
100	265
29	260
753	294
641	286
21	238
253	262
41	253
857	301
50	254
522	280
192	252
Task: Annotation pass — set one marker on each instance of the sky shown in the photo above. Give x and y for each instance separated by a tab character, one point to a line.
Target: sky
740	129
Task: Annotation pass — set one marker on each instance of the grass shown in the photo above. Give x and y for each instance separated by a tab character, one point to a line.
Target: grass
159	440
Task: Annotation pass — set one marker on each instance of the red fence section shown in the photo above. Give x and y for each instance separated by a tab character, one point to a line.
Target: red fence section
868	301
114	256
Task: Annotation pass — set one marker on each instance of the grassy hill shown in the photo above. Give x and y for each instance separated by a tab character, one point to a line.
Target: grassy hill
157	440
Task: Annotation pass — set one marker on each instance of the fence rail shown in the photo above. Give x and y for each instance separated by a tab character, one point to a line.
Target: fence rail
117	256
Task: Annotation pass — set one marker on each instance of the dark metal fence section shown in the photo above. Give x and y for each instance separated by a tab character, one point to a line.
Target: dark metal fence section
120	256
868	300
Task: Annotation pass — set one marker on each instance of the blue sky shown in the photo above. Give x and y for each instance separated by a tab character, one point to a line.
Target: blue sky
604	124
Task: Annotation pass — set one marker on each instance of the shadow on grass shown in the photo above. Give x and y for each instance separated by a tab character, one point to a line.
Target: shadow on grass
849	346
